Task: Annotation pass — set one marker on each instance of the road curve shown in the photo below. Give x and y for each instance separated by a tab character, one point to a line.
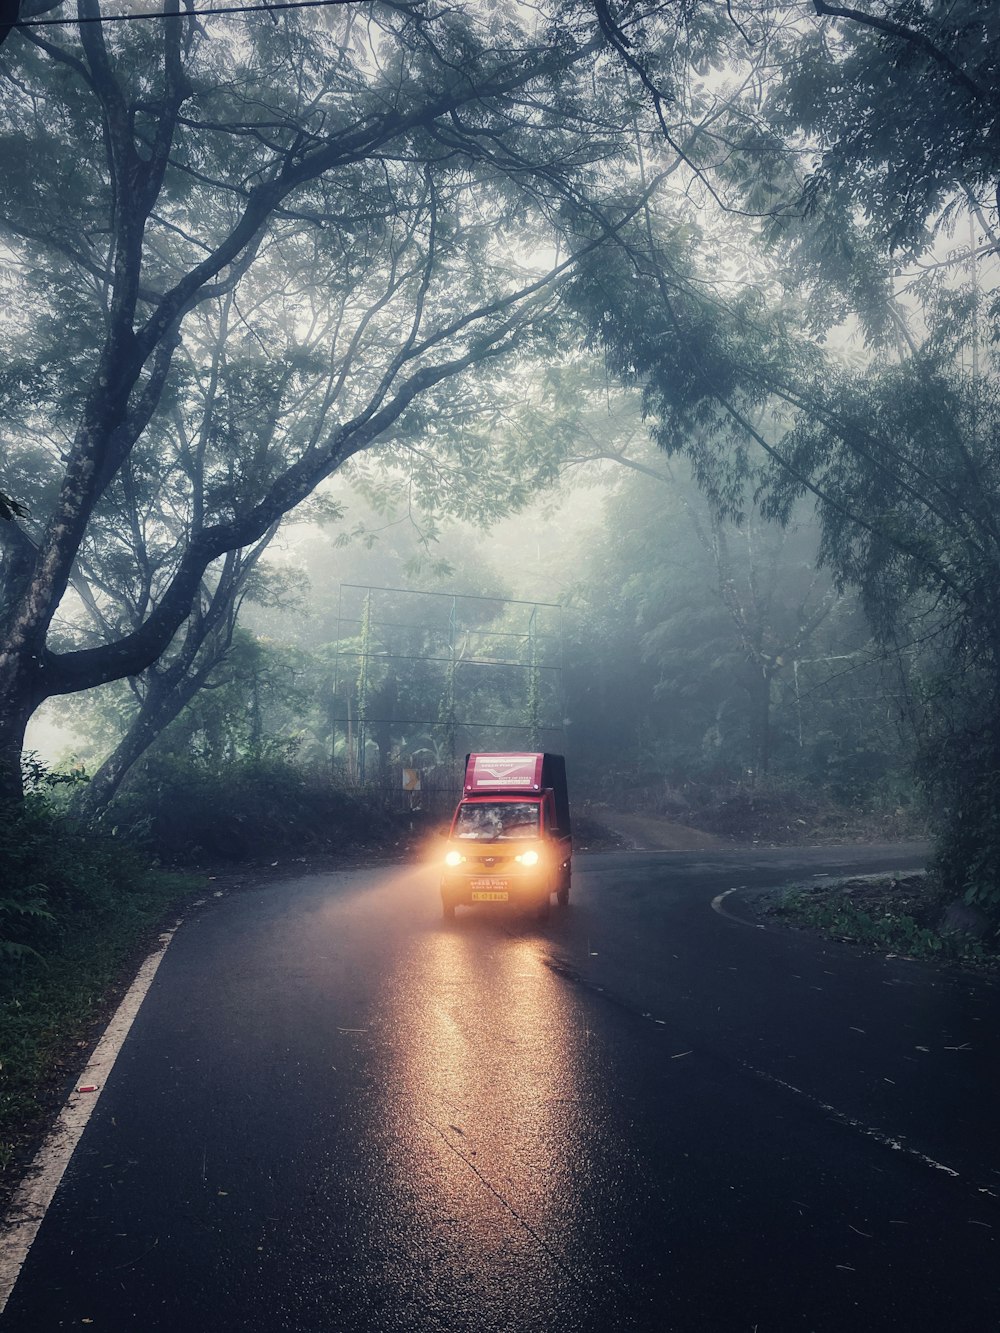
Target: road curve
336	1112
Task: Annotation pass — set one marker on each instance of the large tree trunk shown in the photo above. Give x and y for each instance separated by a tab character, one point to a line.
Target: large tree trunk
21	660
15	710
21	655
163	702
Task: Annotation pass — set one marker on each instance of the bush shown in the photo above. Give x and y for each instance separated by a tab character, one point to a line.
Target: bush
902	915
54	870
961	769
77	907
247	808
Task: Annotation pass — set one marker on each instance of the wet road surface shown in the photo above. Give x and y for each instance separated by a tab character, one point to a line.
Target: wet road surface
335	1112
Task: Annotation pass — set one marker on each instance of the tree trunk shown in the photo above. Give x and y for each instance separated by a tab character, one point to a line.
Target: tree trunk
382	736
163	702
16	708
764	723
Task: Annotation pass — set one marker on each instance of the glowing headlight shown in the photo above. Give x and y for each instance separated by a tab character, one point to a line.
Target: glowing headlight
528	858
453	858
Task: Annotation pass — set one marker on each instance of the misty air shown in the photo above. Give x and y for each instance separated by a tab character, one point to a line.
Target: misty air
499	666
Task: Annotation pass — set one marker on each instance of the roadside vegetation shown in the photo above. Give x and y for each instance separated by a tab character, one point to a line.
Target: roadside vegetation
719	284
708	261
911	916
78	908
83	902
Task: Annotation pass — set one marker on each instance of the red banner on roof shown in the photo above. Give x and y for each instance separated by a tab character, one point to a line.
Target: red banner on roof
503	772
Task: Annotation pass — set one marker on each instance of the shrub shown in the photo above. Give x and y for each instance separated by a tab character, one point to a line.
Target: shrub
962	771
246	808
54	869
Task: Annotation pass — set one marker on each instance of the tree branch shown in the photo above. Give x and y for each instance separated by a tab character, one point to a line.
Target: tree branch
918	39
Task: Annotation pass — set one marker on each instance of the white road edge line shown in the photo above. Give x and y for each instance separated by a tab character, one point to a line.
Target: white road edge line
35	1193
717	902
869	1131
880	1136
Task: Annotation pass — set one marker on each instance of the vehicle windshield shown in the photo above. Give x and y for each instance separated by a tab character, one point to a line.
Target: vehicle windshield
497	821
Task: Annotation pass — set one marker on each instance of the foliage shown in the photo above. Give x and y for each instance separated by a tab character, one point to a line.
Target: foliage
259	693
306	271
850	86
77	906
243	808
56	870
288	686
848	134
898	455
960	766
908	464
882	919
225	780
692	634
296	264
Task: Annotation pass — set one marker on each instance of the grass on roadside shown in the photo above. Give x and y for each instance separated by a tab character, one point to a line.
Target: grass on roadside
51	1002
894	915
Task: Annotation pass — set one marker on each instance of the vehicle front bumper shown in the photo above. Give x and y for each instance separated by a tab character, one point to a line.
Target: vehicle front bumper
501	886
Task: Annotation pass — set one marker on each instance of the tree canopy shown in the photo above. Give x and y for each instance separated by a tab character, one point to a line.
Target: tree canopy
364	199
245	250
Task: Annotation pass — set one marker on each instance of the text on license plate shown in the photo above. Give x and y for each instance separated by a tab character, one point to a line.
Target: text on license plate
489	890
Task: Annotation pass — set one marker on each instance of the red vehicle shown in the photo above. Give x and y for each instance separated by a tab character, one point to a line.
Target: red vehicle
510	840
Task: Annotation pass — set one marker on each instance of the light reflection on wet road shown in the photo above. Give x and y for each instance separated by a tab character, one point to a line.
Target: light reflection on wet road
337	1113
486	1077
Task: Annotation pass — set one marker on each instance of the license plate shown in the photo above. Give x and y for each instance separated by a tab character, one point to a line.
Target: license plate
490	890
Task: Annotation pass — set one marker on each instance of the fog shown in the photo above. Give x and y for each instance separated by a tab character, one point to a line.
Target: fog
680	428
611	391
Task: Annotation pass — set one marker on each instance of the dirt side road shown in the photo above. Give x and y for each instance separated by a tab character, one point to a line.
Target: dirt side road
653	833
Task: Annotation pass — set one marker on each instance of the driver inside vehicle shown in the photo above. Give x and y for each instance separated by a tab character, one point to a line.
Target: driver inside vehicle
497	821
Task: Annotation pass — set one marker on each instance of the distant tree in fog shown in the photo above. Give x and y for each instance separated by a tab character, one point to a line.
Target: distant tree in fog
864	152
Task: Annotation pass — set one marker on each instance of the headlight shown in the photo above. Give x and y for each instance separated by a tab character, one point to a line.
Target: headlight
527	858
453	858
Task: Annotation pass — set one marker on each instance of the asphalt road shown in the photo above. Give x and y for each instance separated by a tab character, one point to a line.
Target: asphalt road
335	1112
